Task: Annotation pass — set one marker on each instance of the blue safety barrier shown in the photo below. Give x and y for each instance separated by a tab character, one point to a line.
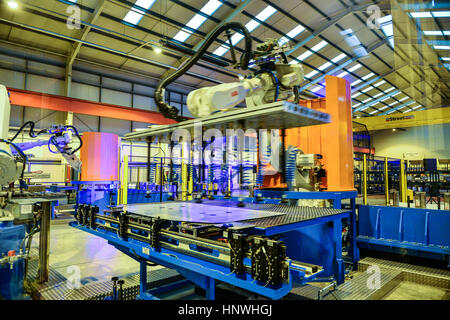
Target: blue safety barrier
420	232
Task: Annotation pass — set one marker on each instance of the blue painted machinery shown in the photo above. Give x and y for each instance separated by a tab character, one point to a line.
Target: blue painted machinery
12	260
419	232
263	255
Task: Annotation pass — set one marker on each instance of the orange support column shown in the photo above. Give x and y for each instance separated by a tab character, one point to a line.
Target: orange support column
99	156
338	139
334	141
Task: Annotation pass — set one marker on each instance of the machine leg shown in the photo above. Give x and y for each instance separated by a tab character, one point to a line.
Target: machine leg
354	250
143	277
339	269
210	289
44	242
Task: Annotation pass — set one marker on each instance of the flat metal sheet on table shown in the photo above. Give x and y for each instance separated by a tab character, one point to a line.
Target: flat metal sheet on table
197	212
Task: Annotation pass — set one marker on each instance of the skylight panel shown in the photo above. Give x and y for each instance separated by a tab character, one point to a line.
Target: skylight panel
368	76
344	73
292	34
379	83
209	8
316	89
441	14
432	32
304	55
441	47
312	74
339	58
388	28
251	25
324	66
135	15
423	14
319	46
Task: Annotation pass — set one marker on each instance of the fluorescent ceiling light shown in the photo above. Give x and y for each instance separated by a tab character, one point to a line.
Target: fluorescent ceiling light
396	94
135	15
373	112
379	83
423	14
367	89
13	4
356	95
354	83
445	58
356	105
389	90
383	108
403	99
378	95
391	104
367	100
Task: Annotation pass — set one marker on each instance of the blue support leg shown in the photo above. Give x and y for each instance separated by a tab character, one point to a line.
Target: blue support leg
143	277
339	269
211	289
354	250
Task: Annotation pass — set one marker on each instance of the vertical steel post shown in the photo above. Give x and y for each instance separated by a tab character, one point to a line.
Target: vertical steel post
403	187
386	180
125	180
143	277
44	242
364	187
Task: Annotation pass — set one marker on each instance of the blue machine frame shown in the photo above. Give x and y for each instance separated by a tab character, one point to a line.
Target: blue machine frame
322	238
420	232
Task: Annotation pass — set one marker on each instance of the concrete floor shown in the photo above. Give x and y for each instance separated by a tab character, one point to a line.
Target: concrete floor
99	261
95	258
413	291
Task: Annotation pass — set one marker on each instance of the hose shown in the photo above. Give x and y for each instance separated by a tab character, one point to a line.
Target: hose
291	166
32	134
172	112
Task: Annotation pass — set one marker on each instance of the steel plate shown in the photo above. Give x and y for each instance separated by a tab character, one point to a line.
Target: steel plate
197	212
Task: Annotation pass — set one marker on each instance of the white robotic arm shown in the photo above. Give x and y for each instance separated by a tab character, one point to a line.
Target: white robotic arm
10	169
264	87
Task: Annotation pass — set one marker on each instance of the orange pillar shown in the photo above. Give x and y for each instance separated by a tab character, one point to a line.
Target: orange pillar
334	141
99	156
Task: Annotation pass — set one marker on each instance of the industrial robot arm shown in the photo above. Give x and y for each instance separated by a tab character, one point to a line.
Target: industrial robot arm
275	80
12	158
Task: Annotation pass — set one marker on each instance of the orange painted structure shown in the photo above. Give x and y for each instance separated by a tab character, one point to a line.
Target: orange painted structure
99	156
334	141
59	103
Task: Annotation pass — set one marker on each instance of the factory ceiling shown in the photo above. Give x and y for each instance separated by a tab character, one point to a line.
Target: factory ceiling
395	53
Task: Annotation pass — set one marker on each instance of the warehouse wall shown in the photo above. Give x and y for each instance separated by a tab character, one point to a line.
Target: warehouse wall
28	70
414	143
